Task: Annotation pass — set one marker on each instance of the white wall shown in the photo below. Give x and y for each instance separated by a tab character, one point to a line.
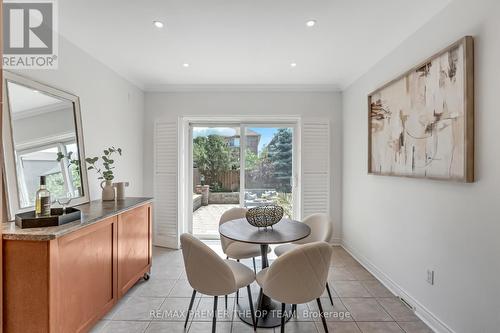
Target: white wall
112	111
169	106
402	226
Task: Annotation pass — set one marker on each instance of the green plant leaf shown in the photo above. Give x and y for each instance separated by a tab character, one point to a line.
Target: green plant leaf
90	167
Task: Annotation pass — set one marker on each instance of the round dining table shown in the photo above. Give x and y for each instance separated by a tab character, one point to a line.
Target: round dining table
268	311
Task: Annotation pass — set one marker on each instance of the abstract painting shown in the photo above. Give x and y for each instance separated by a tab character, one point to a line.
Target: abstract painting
422	123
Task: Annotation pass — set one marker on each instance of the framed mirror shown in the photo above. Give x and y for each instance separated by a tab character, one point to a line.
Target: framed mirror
42	136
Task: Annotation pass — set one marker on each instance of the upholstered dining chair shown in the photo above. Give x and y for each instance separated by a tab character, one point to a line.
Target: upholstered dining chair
321	229
238	250
298	277
211	275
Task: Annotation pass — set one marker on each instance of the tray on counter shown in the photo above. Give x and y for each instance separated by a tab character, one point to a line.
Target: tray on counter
56	218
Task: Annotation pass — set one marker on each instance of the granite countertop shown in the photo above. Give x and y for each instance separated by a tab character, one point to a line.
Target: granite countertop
92	212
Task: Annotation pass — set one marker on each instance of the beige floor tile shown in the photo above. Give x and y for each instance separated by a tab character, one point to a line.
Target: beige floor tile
115	308
240	327
339	327
300	327
337	312
415	327
377	289
350	289
181	288
340	274
360	273
397	310
139	308
349	280
366	309
204	311
166	272
125	327
164	327
205	327
99	326
175	309
378	327
155	288
332	291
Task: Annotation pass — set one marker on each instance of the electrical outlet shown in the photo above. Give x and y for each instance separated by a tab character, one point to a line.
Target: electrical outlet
430	277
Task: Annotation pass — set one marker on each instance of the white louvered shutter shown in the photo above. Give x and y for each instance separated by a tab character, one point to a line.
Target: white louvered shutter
315	167
166	226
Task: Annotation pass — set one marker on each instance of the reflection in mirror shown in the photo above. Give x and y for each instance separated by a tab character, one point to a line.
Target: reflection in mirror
45	144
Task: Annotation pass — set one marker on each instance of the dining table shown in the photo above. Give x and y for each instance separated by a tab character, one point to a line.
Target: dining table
268	311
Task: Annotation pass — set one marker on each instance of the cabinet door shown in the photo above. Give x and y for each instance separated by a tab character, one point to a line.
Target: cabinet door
85	282
134	246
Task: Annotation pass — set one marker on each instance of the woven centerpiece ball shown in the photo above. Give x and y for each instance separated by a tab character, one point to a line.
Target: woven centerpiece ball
264	216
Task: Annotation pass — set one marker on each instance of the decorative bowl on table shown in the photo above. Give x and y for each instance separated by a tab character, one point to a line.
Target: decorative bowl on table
264	216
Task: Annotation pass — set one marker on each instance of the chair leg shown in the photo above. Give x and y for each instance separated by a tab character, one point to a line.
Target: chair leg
321	313
250	301
190	308
283	317
329	293
254	268
294	309
225	299
214	320
238	291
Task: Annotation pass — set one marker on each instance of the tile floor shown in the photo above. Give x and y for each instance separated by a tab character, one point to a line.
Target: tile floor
361	303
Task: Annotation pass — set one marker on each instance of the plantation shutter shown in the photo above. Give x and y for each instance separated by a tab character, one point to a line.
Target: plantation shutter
166	226
315	167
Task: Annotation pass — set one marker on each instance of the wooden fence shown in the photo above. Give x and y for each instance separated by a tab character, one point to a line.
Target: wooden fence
229	180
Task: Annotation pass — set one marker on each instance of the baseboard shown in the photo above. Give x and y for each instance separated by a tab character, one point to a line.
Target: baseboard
336	241
421	311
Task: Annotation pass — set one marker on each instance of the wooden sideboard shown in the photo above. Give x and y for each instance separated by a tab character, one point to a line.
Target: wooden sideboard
64	279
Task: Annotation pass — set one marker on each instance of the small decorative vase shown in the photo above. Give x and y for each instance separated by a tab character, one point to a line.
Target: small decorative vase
108	191
120	189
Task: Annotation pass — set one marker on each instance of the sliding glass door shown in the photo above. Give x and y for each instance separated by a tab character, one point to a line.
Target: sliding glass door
240	165
269	166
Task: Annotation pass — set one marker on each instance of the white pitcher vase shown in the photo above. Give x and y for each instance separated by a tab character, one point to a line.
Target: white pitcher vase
108	191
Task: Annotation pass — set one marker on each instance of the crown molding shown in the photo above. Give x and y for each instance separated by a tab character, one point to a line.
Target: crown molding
28	113
242	88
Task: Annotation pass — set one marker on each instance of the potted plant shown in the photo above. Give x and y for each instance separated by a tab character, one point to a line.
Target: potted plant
105	171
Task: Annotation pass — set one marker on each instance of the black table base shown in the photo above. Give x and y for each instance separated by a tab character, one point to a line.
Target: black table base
267	311
266	318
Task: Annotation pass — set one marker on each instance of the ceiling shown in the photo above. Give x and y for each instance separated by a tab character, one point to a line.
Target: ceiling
23	99
242	42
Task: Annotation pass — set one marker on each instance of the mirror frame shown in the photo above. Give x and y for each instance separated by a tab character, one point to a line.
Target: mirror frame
9	160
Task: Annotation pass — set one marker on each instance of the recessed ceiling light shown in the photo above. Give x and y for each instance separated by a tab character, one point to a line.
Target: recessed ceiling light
185	65
158	24
311	23
293	64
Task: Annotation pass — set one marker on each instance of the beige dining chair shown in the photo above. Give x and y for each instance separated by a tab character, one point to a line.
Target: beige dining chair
298	277
238	250
321	230
211	275
234	249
